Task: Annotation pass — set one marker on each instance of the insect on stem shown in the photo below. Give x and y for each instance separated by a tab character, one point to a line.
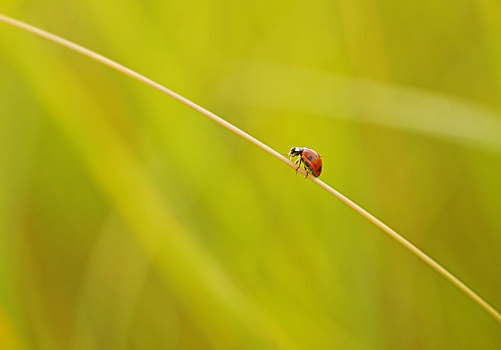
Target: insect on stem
129	72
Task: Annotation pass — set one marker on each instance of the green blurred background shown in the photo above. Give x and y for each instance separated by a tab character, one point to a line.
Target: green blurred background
129	221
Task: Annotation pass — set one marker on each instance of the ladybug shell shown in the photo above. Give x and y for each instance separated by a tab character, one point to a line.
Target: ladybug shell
312	161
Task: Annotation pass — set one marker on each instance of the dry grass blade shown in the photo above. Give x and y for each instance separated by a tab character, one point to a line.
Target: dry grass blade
106	61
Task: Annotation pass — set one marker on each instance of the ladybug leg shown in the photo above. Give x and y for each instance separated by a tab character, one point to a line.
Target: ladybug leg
298	163
307	173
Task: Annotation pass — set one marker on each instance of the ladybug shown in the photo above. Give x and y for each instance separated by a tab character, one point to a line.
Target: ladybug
310	159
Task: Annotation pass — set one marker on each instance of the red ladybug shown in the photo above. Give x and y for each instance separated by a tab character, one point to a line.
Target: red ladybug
310	159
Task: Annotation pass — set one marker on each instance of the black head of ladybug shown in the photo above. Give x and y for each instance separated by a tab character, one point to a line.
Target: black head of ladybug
296	151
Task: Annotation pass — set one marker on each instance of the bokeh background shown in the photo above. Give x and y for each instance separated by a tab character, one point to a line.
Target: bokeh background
129	221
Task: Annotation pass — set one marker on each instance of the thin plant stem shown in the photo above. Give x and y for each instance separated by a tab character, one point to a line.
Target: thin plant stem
392	233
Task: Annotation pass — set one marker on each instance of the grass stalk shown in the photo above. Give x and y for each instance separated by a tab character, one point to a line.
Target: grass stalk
129	72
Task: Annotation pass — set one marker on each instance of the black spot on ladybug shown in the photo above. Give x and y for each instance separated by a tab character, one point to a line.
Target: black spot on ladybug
310	158
319	169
